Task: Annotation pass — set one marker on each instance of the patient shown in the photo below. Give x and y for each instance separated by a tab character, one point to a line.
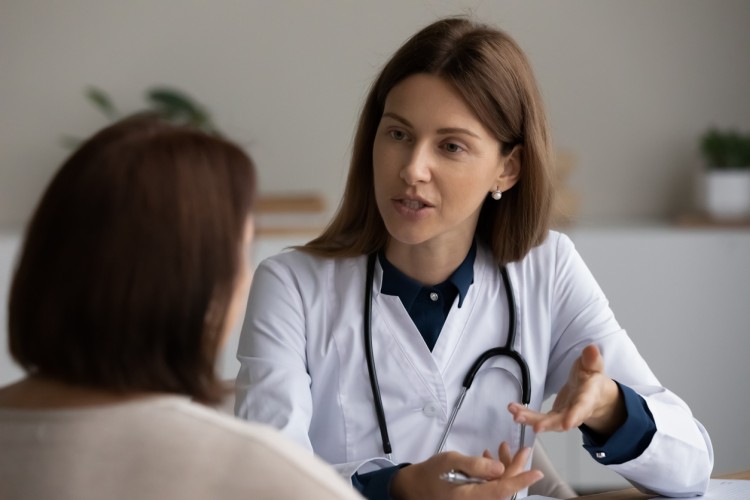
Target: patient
133	271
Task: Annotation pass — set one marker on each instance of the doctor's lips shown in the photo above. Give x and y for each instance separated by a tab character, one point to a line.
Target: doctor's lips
412	203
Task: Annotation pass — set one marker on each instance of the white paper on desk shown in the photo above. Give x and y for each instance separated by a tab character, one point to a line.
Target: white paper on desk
726	489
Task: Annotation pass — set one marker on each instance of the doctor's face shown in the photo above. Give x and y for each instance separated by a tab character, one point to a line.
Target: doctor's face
434	164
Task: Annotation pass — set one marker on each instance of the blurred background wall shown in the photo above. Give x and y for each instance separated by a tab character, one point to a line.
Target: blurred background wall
629	87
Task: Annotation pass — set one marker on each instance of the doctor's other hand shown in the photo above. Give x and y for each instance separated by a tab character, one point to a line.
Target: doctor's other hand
505	476
588	397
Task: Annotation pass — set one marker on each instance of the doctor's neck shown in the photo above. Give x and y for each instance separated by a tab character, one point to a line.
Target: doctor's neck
428	263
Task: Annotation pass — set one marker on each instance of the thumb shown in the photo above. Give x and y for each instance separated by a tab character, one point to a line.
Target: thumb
591	359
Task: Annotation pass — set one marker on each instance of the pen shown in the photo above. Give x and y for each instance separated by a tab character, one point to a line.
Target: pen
456	477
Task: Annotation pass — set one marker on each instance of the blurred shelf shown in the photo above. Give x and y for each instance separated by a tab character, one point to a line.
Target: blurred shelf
290	214
273	231
290	203
698	220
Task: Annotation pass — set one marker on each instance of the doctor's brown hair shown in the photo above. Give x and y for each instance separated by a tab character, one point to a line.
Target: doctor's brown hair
493	76
138	236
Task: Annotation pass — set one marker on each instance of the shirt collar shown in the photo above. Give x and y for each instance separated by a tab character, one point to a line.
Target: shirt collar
397	283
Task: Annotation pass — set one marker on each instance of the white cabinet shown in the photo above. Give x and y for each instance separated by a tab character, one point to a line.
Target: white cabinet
683	295
9	371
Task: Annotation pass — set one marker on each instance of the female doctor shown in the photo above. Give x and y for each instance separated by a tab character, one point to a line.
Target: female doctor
358	344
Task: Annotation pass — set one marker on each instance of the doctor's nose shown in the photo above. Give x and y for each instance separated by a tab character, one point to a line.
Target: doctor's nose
417	166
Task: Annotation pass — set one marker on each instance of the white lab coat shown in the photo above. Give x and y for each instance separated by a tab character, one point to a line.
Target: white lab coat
303	367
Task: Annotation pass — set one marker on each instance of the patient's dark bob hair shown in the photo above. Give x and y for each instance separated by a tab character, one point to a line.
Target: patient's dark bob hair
130	261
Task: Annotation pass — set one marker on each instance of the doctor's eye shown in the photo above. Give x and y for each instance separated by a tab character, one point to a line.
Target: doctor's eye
398	135
452	147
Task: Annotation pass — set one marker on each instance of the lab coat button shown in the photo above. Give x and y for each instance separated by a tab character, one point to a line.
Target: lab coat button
430	409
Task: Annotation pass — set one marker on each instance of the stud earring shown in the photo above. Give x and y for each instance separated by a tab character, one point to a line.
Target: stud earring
497	194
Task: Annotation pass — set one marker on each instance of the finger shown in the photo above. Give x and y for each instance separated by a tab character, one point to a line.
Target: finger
523	414
519	461
507	486
563	421
503	452
487	454
484	467
551	422
541	422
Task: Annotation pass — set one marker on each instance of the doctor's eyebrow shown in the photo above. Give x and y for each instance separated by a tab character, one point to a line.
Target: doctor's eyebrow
442	131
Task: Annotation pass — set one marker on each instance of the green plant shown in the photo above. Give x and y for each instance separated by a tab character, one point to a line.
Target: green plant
724	149
171	104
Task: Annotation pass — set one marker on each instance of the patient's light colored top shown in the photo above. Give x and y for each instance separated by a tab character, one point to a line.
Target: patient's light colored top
154	448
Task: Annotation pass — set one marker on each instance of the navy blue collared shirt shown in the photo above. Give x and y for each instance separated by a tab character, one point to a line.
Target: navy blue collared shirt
428	306
429	313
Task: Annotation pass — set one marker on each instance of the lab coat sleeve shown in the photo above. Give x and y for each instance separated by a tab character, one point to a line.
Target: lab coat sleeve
679	459
273	383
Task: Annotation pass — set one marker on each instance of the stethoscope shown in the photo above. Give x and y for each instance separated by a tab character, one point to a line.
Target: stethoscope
506	350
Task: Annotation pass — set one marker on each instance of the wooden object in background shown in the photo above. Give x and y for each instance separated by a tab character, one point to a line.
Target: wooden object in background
290	203
565	202
286	214
701	220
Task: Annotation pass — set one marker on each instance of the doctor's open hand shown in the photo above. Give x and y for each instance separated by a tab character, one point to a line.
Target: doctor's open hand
588	397
505	476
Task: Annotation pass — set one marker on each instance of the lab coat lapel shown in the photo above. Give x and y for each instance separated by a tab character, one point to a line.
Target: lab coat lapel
457	323
408	360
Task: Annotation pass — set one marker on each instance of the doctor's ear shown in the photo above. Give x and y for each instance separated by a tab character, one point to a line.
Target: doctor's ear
510	168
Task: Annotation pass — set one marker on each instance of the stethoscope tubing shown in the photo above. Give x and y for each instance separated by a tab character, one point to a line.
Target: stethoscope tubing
374	385
506	350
